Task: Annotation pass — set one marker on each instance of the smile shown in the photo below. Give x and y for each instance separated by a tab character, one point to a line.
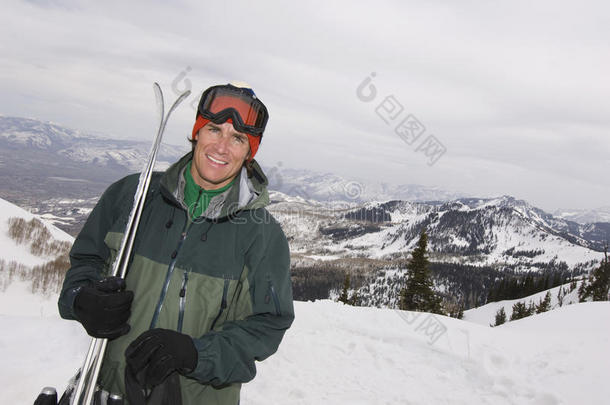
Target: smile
220	162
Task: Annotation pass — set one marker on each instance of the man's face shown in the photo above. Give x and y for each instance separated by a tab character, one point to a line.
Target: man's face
219	155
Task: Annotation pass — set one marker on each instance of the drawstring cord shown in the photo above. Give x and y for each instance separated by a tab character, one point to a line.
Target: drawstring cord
170	222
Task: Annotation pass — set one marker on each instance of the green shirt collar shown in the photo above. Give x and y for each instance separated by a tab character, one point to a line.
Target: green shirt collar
197	198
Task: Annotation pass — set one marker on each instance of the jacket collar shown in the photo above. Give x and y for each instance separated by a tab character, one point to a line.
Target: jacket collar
247	193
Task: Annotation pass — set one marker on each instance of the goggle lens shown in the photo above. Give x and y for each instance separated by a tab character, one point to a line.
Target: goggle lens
247	112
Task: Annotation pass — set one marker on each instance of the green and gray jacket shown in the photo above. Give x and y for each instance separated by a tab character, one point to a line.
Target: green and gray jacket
223	278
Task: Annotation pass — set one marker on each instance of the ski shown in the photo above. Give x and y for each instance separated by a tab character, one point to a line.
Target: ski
82	388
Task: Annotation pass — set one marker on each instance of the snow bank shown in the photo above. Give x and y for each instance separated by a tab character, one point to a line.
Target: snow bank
336	354
486	314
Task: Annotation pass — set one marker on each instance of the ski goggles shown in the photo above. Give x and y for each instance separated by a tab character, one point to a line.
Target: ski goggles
248	114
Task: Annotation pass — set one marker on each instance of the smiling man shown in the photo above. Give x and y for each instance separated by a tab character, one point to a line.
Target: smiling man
220	152
208	290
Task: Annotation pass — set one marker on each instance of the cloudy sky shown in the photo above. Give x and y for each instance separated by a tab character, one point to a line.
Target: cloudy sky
487	98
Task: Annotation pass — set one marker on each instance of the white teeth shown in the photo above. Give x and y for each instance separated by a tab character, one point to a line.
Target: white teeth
220	162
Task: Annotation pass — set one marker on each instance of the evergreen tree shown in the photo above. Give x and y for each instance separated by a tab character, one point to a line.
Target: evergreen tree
346	284
598	285
418	294
520	310
500	317
560	294
583	291
531	308
354	299
544	304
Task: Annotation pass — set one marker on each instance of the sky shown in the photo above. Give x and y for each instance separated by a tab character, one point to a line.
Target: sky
483	98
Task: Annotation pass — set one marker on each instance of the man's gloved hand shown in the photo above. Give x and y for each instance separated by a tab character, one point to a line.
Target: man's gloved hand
156	353
104	308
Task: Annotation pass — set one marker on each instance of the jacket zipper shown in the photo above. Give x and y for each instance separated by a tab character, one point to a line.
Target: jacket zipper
172	264
182	301
168	276
223	303
276	300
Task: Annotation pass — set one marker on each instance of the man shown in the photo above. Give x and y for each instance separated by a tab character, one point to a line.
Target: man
208	289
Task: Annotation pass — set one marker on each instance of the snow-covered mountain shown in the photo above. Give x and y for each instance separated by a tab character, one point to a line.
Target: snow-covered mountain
81	147
493	232
328	187
328	219
472	243
61	172
58	171
601	214
19	134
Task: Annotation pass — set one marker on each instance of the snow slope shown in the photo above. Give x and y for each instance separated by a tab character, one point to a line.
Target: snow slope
12	251
336	354
486	314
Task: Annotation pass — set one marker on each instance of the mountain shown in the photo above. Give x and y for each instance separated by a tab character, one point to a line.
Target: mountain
601	214
19	134
334	224
500	231
61	172
472	244
329	187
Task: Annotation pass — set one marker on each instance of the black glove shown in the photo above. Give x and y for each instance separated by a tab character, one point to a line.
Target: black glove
156	353
104	308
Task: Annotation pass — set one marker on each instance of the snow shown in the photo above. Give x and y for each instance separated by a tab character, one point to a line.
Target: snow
12	251
40	305
38	352
486	314
323	257
8	210
336	354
